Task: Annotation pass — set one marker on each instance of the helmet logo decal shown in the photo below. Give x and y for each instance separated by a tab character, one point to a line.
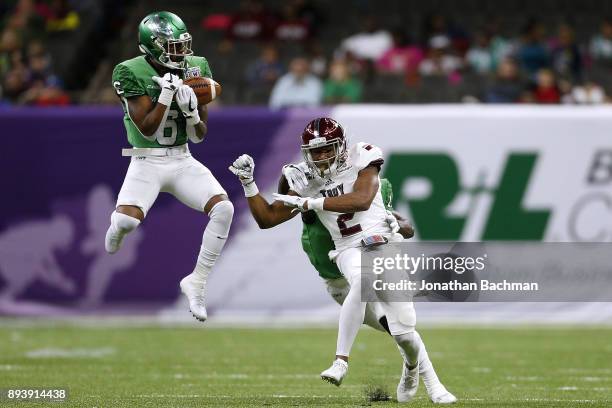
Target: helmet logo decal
316	127
317	141
157	25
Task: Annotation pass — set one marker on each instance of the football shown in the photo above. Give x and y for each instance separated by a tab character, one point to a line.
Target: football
206	89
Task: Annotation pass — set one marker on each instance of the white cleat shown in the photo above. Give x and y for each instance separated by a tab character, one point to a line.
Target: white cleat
442	396
408	384
112	241
193	288
336	373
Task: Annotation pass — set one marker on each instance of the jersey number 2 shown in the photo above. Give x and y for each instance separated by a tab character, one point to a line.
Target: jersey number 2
344	230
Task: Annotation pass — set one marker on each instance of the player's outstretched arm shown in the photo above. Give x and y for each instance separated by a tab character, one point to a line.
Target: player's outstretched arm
360	199
269	215
265	214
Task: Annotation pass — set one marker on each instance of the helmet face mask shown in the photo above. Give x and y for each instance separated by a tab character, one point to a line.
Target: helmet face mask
175	50
327	165
163	36
324	147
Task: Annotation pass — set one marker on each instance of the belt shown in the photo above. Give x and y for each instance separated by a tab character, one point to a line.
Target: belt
156	151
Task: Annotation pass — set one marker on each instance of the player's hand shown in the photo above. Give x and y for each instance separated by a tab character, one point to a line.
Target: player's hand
295	177
392	221
243	167
187	101
169	84
297	203
169	81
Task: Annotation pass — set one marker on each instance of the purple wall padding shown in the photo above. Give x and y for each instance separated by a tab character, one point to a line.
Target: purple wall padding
61	172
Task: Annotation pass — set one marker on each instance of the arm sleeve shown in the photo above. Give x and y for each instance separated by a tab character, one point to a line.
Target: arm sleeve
368	155
125	83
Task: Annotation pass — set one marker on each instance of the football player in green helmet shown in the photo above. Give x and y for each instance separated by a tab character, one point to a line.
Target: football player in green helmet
160	115
163	37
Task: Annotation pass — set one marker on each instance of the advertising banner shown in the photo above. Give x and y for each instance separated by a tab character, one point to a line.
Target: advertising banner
459	173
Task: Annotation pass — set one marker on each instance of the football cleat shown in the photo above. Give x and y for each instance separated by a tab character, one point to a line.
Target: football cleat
112	241
442	396
336	373
408	384
193	288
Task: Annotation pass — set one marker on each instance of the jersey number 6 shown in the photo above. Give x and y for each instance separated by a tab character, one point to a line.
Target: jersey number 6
344	230
168	136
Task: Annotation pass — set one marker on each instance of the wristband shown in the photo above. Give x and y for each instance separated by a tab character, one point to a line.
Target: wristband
250	189
316	203
193	120
165	96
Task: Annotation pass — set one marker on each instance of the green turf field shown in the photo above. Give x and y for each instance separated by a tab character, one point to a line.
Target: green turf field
189	367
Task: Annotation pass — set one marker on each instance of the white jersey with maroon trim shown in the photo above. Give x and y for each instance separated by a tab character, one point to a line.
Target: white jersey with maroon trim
347	230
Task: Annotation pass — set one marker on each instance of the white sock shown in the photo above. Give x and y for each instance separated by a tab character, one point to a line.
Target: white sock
123	224
120	226
410	343
352	313
214	238
426	369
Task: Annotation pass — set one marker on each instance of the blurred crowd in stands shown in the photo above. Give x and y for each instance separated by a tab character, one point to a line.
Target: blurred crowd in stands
531	67
537	63
25	62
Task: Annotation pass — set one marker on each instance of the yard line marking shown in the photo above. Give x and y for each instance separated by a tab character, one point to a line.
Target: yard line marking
52	352
557	400
243	376
481	370
535	400
587	370
524	378
9	367
335	397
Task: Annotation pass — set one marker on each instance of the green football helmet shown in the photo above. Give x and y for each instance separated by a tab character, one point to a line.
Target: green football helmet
163	36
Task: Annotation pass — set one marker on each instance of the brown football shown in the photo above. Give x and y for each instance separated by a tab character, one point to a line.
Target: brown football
206	89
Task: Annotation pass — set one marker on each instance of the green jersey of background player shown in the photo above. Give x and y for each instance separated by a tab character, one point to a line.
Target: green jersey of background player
160	115
317	241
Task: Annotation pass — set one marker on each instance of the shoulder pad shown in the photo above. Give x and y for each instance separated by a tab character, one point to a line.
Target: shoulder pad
125	82
202	64
365	154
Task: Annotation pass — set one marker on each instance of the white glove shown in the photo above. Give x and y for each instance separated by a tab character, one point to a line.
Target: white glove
295	177
243	167
392	221
187	101
169	84
299	203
